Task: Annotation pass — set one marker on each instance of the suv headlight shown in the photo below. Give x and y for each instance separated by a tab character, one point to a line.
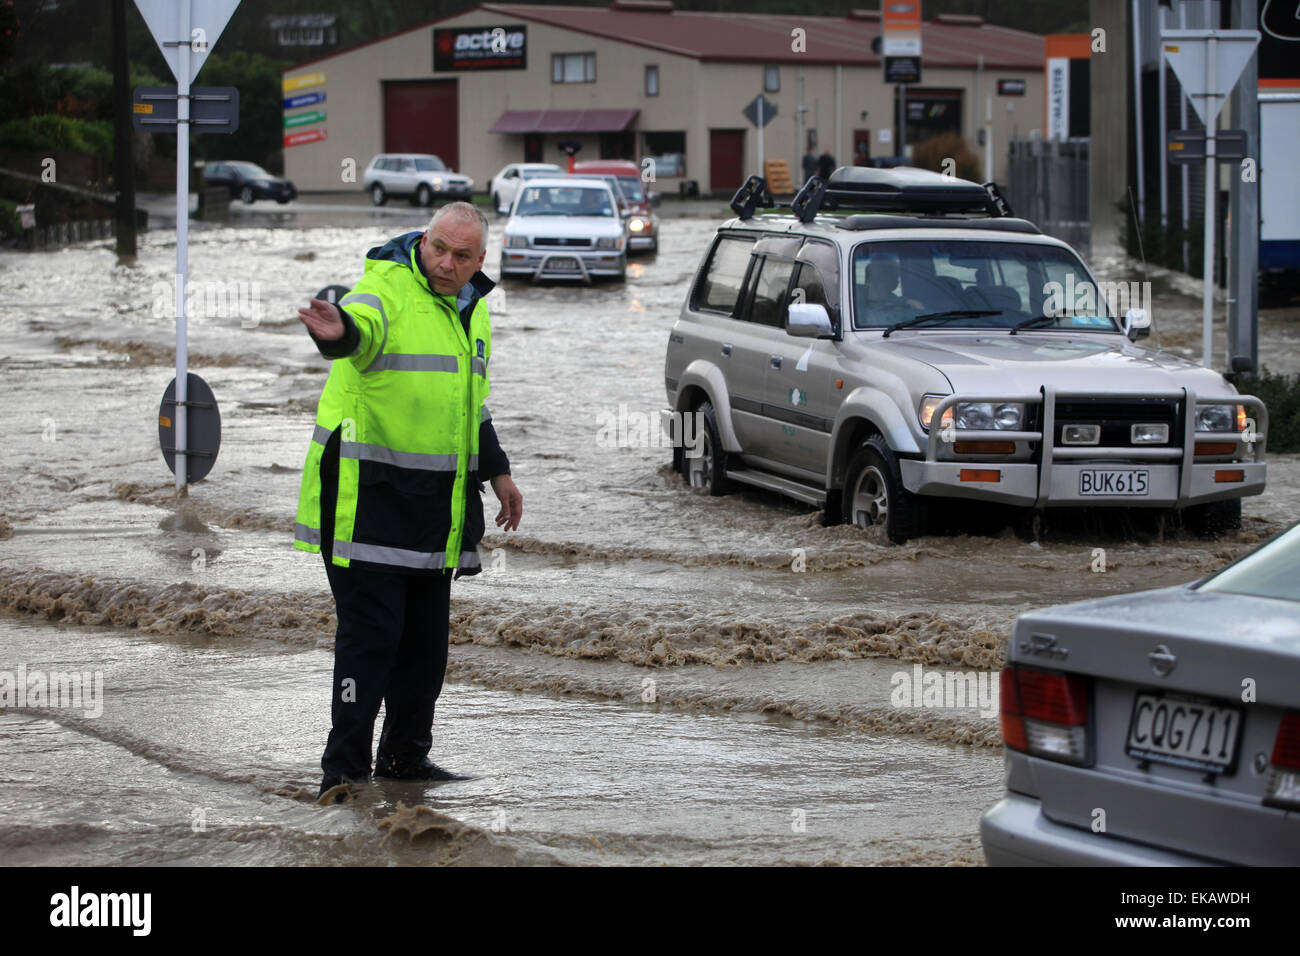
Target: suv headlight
609	242
928	404
1214	418
985	416
636	225
516	242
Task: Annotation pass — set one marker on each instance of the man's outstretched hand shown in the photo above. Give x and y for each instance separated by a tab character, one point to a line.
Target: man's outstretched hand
322	320
512	502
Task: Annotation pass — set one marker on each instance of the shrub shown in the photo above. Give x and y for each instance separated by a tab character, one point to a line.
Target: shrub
931	153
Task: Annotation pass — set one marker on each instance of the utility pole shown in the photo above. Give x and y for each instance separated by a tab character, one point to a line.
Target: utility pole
123	137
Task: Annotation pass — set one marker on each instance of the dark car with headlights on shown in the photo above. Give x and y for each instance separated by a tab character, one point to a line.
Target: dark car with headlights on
1157	728
249	182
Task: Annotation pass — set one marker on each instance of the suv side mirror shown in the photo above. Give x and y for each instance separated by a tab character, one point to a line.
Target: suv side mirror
1137	324
808	320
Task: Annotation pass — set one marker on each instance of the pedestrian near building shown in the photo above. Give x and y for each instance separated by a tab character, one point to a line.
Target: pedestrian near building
391	486
825	165
809	164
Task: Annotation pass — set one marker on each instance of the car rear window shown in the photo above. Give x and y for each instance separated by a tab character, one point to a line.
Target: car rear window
1271	571
724	274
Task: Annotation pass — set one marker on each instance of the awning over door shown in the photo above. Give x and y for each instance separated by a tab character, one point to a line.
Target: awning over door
563	121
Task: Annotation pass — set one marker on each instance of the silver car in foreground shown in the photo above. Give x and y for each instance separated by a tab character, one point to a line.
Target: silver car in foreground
1157	728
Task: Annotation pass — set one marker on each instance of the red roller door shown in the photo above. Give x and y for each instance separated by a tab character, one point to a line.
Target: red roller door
423	116
726	159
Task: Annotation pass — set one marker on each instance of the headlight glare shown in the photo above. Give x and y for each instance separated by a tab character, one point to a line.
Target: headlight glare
1214	418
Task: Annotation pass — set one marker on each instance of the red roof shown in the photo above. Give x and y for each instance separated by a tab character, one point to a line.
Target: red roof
947	41
766	37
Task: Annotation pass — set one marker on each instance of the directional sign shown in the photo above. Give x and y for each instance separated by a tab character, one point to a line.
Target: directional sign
751	110
1188	145
1207	86
213	109
207	19
304	119
303	99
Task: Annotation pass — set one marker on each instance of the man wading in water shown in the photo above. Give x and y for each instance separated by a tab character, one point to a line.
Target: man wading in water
391	487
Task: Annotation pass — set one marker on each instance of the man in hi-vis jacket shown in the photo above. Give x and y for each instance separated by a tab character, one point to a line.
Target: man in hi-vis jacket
391	486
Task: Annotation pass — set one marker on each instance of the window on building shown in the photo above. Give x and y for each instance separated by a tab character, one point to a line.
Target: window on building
573	68
771	79
668	150
652	80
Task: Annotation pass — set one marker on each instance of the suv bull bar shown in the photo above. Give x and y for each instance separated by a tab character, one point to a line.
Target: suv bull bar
1052	477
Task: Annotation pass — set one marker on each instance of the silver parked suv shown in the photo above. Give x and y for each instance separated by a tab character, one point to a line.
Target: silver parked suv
897	337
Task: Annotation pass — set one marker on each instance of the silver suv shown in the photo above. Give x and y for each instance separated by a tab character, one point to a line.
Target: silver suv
896	337
421	177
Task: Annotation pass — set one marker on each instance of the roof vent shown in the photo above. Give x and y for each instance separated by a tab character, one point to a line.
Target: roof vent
863	15
643	6
958	19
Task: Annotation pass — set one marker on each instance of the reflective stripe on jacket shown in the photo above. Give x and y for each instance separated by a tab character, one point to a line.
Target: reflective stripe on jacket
407	400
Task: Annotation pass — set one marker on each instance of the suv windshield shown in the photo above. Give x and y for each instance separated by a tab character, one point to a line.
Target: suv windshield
564	201
632	189
430	165
1272	571
1015	282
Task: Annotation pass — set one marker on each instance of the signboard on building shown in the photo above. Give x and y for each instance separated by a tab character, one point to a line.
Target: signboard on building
480	48
294	114
1011	87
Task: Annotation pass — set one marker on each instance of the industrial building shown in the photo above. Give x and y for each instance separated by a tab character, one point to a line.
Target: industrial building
639	80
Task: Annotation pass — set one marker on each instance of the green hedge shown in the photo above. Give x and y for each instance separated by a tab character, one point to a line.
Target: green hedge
1281	395
51	132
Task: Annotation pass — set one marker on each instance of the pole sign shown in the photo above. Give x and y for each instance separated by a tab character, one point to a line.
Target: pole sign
205	20
185	31
1188	145
760	111
213	109
901	40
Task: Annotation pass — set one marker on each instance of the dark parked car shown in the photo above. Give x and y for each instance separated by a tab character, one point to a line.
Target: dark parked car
249	181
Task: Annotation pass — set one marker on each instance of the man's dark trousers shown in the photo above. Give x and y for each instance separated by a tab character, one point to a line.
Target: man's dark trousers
391	645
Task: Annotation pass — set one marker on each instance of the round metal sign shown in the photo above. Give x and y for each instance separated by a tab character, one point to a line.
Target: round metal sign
202	425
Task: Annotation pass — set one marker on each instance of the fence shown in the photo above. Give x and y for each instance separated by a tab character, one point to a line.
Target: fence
1047	183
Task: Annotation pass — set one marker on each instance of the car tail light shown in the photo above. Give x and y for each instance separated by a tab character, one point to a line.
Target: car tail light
1284	780
1045	714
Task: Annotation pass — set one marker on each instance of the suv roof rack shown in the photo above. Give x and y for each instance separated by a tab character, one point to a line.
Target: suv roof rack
1004	224
862	189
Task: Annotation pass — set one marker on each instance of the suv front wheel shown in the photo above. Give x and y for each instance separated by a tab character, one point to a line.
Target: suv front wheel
708	469
874	494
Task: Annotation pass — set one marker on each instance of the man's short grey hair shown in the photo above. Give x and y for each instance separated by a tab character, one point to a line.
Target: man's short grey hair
463	212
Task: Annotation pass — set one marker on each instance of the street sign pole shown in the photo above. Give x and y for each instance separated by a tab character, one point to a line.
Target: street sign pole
182	239
761	169
1207	64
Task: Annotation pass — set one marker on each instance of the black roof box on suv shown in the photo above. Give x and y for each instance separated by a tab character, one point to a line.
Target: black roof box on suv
861	189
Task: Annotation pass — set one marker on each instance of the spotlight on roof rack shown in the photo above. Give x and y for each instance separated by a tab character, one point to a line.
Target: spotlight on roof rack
750	196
